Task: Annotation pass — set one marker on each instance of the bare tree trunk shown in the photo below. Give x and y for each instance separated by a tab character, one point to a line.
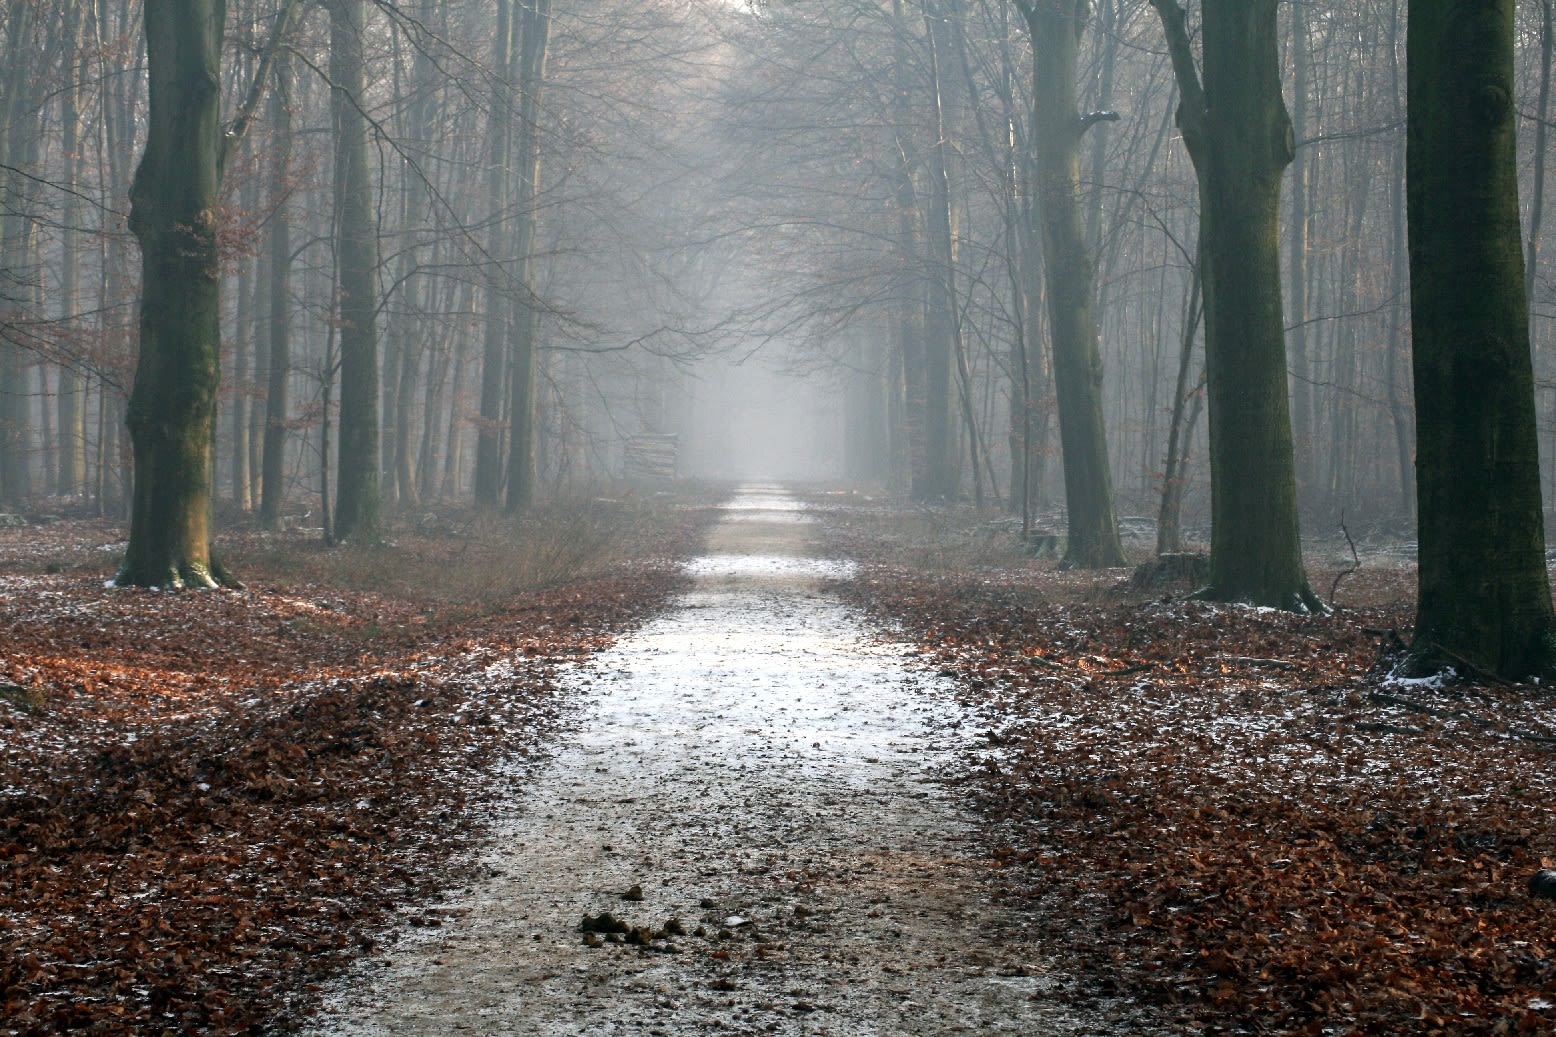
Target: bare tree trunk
18	264
499	275
907	312
1056	27
110	481
1240	139
1303	442
941	475
1180	430
357	475
534	46
1485	596
173	214
279	325
454	456
70	459
241	400
943	316
1397	360
1541	141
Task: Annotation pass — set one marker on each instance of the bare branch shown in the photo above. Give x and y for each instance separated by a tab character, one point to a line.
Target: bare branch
245	117
1091	119
1191	109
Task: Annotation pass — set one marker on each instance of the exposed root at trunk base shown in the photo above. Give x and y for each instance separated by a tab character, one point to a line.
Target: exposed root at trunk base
180	576
1300	600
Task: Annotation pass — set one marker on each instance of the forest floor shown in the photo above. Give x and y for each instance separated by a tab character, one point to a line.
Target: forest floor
1232	814
210	802
751	828
921	785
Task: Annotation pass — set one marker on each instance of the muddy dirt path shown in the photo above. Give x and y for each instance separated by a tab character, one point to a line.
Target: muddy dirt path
765	776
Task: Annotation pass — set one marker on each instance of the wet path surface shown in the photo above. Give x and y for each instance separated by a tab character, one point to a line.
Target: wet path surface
765	775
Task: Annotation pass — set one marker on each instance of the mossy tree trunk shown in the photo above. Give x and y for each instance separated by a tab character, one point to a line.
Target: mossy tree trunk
357	475
173	215
1070	271
1485	597
1239	136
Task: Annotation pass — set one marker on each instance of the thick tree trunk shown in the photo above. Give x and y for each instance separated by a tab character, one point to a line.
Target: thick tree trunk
1485	598
357	474
1240	139
1070	268
174	217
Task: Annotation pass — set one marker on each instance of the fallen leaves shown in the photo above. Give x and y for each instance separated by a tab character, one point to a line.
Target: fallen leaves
1230	812
208	802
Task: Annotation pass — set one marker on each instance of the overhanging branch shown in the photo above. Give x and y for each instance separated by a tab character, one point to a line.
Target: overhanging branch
1091	119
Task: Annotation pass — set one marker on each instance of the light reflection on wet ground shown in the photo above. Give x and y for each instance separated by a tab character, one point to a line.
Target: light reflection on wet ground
765	774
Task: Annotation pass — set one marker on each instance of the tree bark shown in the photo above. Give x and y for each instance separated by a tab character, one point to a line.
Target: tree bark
1541	146
907	310
534	45
1485	596
240	398
18	274
1070	269
279	325
173	215
70	459
941	478
1180	430
357	472
1297	297
1397	358
1239	137
499	294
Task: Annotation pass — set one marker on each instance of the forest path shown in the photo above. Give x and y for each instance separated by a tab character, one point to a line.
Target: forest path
766	775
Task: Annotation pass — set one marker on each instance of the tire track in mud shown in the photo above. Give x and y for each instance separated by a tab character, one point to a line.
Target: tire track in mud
765	776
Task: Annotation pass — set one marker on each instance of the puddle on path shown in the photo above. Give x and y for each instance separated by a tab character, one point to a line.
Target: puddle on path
765	774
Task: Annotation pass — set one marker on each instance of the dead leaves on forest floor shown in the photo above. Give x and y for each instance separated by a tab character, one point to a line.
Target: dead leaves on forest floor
1234	813
209	801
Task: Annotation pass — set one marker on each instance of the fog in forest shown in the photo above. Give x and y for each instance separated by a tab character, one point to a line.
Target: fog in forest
904	516
488	252
751	422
